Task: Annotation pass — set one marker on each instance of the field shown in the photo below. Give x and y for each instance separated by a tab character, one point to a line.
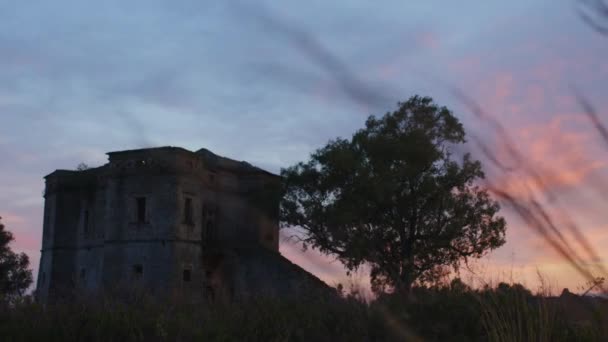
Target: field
452	312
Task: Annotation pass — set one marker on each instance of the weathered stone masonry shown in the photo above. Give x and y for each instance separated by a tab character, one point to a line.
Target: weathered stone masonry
168	220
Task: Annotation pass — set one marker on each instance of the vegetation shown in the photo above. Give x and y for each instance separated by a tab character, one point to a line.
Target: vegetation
15	277
395	198
454	312
82	167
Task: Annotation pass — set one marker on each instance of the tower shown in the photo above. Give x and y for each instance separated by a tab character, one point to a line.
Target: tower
163	219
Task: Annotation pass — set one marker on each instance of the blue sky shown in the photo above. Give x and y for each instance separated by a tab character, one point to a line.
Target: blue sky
269	81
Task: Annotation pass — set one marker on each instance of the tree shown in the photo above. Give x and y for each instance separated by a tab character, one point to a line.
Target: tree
15	277
394	198
82	167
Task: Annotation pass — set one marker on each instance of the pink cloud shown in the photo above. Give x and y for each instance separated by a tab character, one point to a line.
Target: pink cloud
562	156
428	39
9	219
326	267
531	98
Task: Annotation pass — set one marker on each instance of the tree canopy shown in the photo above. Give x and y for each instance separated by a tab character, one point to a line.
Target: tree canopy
15	277
394	197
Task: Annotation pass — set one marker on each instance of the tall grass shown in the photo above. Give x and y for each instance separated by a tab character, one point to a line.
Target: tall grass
451	312
511	313
152	320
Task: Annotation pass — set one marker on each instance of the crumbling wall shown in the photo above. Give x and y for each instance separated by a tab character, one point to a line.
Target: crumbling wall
170	221
257	272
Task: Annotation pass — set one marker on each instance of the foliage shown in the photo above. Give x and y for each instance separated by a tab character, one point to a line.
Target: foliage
82	167
394	197
15	277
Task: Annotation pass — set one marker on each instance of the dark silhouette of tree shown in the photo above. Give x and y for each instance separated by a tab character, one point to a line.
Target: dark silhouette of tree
15	277
82	167
459	286
512	290
394	198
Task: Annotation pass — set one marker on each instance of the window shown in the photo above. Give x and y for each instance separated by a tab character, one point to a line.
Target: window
85	222
209	221
138	271
209	231
187	275
141	209
188	219
83	273
210	293
204	214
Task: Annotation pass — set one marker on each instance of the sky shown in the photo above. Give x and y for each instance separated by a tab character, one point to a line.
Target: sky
269	82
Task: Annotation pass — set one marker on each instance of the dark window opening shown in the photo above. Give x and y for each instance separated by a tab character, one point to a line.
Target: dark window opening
83	273
209	222
85	222
211	177
141	209
210	293
187	275
188	219
138	270
209	231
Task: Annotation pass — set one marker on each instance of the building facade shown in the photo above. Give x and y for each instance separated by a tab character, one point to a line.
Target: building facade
167	220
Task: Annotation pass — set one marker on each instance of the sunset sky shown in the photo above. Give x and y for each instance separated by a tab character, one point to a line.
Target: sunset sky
269	82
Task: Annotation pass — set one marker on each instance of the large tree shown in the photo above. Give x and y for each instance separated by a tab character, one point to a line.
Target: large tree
395	198
15	276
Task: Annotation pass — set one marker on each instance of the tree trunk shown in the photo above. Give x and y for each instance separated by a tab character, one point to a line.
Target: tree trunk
404	284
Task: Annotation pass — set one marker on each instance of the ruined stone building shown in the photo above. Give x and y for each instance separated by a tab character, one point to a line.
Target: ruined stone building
167	220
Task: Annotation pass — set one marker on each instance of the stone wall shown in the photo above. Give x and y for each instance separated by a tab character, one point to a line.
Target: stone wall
165	219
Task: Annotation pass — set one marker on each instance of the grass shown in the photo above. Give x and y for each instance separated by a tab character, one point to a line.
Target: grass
145	319
453	312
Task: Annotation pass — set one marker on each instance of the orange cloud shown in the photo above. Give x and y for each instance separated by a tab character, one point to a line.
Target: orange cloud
560	155
564	150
